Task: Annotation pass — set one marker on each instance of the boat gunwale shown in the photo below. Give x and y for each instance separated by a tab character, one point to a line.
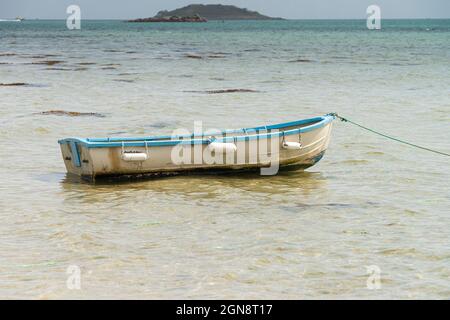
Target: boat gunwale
157	141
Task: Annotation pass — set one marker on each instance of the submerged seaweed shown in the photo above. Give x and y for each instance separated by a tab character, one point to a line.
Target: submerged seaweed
58	69
224	91
193	56
48	62
302	60
71	113
14	84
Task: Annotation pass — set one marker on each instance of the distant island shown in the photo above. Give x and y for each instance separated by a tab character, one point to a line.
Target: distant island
203	13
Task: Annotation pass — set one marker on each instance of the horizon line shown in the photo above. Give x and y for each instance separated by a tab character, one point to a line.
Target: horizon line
274	19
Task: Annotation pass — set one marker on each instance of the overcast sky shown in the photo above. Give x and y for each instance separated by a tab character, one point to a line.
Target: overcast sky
291	9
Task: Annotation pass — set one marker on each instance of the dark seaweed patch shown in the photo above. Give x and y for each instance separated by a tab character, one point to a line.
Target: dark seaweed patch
23	84
302	60
58	69
209	56
40	56
110	66
128	74
71	113
224	91
13	84
193	56
221	53
48	62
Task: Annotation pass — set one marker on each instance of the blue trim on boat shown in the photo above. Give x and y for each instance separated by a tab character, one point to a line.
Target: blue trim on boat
75	154
251	134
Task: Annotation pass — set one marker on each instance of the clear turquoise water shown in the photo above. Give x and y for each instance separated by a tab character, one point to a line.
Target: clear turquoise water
297	235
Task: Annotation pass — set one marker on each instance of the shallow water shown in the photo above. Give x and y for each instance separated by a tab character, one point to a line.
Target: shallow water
296	235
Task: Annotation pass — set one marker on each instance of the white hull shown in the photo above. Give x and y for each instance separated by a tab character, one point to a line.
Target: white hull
115	157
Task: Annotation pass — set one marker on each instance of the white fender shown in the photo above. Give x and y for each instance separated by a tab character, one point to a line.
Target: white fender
221	147
292	145
134	156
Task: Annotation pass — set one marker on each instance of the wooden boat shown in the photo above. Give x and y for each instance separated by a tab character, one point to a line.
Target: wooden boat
294	145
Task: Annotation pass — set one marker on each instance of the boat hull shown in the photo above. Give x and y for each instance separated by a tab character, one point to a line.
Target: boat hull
266	150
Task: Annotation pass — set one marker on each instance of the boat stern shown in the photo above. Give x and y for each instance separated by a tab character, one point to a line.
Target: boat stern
76	157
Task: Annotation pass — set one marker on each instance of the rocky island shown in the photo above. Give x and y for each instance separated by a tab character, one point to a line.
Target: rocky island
203	13
195	18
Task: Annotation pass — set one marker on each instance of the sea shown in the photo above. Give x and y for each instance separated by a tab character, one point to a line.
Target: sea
370	221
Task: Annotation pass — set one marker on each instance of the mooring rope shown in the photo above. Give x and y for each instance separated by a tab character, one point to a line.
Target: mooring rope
389	137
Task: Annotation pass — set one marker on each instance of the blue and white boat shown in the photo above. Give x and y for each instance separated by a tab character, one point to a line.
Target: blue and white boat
294	145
